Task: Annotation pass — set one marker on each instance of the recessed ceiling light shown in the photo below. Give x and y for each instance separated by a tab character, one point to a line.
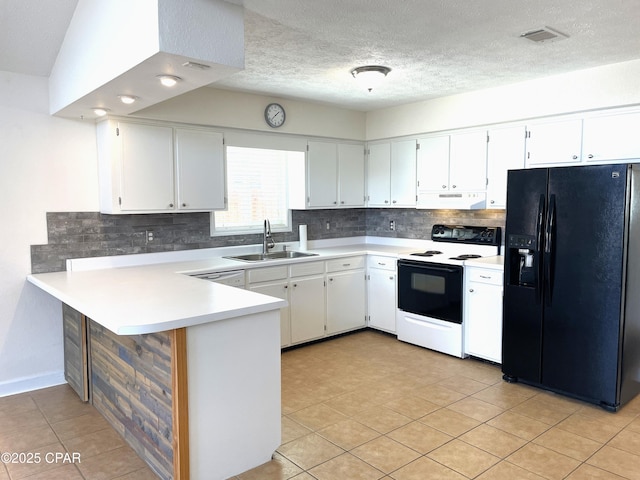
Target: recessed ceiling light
127	99
101	112
169	80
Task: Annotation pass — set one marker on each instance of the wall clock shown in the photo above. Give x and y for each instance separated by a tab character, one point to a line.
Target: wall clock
274	115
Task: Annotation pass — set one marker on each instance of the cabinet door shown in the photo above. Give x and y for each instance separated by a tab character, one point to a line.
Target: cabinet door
381	299
468	162
483	321
307	308
505	152
322	174
146	167
351	175
378	175
554	143
278	290
345	301
200	167
433	164
611	137
403	173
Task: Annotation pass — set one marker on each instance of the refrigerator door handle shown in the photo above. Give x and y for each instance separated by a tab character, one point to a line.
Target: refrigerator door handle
548	247
538	259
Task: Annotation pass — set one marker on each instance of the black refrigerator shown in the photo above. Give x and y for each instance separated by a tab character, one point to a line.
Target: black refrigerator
571	311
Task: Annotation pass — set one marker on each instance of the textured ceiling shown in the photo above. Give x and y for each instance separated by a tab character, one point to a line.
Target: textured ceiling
305	49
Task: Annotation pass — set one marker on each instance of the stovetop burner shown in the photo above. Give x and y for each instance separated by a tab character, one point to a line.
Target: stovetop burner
428	253
465	256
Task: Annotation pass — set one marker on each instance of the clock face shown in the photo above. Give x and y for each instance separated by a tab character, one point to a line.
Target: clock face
274	115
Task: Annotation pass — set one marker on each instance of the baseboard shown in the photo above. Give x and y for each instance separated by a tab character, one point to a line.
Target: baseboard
28	384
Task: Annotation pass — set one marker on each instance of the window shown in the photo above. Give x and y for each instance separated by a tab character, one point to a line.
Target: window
258	188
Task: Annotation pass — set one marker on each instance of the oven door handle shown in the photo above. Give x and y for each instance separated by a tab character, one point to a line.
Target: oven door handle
430	267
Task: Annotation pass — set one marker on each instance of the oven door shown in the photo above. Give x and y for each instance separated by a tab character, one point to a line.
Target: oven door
430	289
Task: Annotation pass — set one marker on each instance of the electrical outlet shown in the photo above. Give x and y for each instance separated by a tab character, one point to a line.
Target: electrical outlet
392	225
149	234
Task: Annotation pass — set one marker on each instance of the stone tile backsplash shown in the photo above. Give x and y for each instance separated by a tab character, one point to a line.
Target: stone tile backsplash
92	234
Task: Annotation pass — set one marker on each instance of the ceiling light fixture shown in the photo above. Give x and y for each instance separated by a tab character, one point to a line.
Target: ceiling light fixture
127	99
100	111
370	76
169	80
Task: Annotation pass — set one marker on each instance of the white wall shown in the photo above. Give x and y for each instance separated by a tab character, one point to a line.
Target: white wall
47	164
209	106
608	86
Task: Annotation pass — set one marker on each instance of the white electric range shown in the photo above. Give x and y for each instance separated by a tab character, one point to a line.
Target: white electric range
430	286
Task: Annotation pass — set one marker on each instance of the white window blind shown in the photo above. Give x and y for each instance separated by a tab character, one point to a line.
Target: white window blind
257	186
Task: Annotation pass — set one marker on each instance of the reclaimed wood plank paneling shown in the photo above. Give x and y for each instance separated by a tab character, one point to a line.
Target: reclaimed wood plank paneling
132	387
75	351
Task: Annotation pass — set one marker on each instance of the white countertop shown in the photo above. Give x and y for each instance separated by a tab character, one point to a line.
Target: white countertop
494	263
139	299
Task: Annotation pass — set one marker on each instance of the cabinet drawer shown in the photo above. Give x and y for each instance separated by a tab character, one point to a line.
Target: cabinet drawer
378	261
308	268
347	263
481	275
268	274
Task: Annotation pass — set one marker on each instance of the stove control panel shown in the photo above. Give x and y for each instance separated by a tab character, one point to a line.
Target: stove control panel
467	234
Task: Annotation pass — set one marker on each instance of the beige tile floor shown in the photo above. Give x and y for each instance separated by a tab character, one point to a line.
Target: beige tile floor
54	420
365	406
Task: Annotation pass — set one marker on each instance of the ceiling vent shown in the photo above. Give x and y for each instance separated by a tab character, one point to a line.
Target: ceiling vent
544	34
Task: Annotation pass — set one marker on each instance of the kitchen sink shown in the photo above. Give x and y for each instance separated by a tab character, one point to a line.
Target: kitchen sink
259	257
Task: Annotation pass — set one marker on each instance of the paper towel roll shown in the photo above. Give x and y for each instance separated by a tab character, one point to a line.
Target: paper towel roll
302	229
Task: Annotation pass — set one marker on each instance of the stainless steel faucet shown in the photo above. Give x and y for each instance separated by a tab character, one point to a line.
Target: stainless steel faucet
267	239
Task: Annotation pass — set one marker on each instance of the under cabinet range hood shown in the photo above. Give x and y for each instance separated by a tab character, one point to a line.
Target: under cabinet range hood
452	201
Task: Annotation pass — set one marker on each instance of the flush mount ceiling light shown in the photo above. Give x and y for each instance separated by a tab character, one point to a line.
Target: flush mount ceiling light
100	111
169	80
370	76
127	99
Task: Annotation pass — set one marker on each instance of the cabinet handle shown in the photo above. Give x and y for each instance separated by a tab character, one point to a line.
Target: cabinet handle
485	276
386	201
171	205
492	202
331	279
335	203
590	155
453	186
286	286
184	204
381	263
471	290
390	278
295	285
342	202
394	201
346	264
575	157
444	186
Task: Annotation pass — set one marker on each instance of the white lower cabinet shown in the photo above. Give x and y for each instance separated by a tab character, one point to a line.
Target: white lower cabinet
307	305
483	313
381	293
346	294
273	281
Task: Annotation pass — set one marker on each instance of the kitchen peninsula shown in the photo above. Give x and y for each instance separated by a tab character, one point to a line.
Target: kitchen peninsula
186	370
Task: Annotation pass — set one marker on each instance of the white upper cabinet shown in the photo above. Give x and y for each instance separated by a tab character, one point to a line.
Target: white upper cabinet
335	175
505	151
468	162
433	164
351	175
391	178
322	175
140	171
611	137
200	168
554	143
